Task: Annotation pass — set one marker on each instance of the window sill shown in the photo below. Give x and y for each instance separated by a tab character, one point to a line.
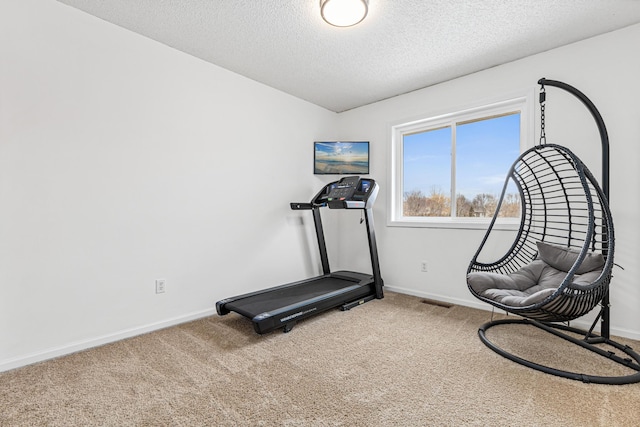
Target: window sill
455	223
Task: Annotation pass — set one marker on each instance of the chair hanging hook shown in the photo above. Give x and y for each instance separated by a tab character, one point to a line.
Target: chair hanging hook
543	98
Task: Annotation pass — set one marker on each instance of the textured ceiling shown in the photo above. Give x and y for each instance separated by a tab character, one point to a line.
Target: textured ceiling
401	46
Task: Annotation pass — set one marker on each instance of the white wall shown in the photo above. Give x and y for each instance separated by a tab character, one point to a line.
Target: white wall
606	69
123	161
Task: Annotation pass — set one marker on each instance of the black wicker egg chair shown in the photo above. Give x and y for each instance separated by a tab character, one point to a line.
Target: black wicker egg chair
560	264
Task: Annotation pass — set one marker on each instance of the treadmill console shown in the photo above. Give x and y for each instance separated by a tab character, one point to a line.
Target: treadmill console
351	192
344	189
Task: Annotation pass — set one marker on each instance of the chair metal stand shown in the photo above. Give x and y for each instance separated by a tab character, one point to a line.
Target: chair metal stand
589	342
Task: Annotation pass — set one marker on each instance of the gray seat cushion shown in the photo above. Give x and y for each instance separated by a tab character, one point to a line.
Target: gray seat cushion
529	285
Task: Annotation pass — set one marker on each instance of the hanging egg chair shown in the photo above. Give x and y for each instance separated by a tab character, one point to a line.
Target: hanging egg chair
559	266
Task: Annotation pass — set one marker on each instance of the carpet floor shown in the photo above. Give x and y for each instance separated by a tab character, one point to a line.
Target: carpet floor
392	362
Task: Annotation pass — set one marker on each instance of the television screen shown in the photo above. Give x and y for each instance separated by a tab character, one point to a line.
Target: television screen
341	157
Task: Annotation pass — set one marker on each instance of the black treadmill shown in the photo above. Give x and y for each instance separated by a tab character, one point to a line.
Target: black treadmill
282	306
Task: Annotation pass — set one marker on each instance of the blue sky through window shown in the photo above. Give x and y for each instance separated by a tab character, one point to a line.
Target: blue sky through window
427	161
485	150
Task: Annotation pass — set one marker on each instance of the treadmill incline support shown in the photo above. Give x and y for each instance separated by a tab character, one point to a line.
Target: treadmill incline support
373	251
317	221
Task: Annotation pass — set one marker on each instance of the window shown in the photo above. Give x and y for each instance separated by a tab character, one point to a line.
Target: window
449	170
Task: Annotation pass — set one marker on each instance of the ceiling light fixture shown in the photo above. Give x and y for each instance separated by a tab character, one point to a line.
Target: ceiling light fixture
344	13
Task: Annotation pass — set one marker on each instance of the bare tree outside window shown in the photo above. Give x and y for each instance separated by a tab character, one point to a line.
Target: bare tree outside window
438	204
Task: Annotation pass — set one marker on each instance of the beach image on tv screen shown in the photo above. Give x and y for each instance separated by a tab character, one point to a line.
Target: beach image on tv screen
341	158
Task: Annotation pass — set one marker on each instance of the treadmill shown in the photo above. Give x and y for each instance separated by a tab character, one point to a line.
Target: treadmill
282	306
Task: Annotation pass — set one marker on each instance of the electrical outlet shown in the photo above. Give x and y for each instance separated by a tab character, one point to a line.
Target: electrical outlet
160	286
423	266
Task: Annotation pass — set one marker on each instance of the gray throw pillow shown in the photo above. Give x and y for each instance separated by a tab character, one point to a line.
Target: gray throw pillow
564	258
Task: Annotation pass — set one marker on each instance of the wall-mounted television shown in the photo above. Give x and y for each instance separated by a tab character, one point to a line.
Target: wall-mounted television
341	157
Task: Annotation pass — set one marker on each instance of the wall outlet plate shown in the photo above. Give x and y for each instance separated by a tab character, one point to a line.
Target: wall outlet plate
160	286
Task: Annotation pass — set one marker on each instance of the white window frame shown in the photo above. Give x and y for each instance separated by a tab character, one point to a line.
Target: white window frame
522	102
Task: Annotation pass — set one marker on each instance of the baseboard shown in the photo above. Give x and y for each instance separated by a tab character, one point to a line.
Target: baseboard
615	332
6	365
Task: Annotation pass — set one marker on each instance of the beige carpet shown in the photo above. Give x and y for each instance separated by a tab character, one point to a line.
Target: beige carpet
390	362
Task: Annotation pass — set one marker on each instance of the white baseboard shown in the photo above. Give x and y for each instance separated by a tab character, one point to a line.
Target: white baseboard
6	365
581	324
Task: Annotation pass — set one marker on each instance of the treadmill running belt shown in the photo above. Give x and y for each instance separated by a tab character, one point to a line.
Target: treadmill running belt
278	298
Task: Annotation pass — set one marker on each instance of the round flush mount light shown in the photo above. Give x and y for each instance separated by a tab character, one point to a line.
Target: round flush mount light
344	13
